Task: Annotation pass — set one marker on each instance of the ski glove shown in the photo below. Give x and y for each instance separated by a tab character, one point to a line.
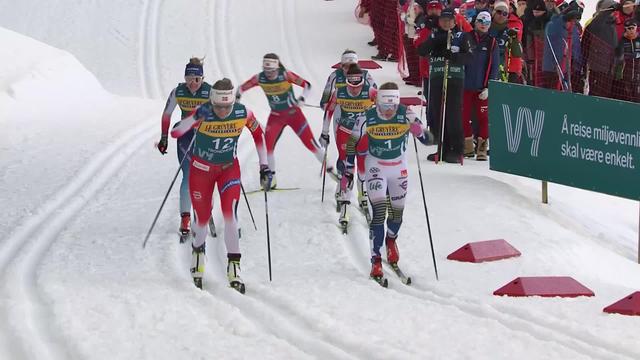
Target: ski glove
324	140
238	95
301	101
512	32
162	145
484	94
426	138
266	176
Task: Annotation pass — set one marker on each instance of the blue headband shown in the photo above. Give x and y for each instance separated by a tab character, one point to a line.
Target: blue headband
193	70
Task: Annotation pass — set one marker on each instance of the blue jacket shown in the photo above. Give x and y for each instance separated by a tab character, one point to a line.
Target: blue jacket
556	38
486	58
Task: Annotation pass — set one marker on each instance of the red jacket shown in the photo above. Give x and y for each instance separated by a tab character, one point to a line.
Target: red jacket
620	18
515	62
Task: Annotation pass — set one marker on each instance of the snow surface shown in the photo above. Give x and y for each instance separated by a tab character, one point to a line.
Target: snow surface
81	182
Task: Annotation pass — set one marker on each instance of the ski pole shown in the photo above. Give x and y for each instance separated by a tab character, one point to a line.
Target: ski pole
153	224
443	104
426	212
324	172
266	214
248	206
563	81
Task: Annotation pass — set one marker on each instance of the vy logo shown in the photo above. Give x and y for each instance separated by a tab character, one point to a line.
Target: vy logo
514	130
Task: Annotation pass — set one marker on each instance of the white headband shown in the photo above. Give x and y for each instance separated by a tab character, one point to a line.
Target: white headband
349	58
270	64
388	97
222	97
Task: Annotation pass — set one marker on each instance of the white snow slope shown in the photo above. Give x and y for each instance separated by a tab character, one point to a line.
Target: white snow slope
81	182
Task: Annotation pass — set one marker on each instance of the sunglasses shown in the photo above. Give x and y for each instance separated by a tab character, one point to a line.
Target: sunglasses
387	106
631	27
195	79
501	12
483	22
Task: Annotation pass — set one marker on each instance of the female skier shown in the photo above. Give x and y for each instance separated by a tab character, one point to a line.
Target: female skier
344	106
188	95
218	125
276	82
387	127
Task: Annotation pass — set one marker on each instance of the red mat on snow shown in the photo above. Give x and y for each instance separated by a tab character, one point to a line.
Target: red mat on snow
629	305
364	64
546	286
412	101
481	251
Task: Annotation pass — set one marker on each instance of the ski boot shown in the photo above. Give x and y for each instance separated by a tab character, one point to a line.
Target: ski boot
185	227
392	250
197	264
233	273
376	271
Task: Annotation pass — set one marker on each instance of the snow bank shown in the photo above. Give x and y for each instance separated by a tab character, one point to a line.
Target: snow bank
33	71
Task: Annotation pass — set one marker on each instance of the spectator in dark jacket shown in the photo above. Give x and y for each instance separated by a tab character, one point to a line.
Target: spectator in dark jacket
484	66
628	64
599	41
561	39
622	14
535	20
449	50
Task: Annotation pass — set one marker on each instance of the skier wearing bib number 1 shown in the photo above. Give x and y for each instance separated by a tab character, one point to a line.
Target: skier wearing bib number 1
344	106
387	127
276	82
218	125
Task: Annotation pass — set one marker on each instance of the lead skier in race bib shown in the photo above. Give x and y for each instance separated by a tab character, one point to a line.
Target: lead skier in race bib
218	125
276	82
387	127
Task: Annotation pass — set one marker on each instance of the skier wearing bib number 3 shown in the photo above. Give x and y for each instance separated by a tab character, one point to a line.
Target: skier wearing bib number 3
276	82
387	127
218	125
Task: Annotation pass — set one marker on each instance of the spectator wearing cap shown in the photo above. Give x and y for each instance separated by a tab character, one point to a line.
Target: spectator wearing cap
624	12
599	41
473	8
449	50
506	27
562	42
427	24
484	66
627	83
534	21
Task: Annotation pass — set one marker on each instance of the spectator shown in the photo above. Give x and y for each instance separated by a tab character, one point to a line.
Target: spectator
388	30
507	29
410	13
622	14
534	21
599	41
560	39
427	24
449	51
628	63
521	6
484	66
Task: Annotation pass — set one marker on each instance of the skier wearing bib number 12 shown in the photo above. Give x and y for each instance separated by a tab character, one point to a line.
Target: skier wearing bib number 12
218	125
387	127
276	82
